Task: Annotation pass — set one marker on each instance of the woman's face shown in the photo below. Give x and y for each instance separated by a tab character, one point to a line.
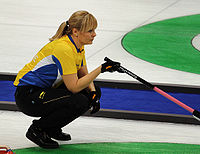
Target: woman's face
85	38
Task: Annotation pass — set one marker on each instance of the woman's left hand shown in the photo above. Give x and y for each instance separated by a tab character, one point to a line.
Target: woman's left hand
94	100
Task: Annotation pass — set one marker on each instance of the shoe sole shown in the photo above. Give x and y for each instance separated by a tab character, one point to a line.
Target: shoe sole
68	138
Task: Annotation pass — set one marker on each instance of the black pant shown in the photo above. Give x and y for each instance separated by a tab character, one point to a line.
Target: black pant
56	106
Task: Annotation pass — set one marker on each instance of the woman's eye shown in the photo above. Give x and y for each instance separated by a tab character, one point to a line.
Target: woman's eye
90	31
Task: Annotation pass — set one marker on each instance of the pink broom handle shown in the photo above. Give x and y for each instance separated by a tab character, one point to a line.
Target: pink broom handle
173	99
121	69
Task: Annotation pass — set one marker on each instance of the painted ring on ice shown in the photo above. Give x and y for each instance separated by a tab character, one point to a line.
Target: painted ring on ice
167	43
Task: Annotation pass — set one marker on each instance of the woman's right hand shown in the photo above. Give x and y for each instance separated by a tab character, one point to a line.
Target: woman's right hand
110	66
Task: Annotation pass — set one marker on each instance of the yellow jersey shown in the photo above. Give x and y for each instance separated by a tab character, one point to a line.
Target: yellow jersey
57	58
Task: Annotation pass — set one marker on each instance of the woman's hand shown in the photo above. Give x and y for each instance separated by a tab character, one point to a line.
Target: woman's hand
110	66
94	101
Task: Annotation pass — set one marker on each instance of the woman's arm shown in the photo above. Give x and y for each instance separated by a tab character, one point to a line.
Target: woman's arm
76	84
81	73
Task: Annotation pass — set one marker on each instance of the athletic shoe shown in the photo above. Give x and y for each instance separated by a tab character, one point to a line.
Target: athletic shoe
59	135
40	137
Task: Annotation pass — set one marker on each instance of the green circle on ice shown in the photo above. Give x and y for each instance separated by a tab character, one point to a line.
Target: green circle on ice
117	148
167	43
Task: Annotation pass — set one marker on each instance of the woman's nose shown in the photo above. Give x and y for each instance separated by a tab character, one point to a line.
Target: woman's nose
94	34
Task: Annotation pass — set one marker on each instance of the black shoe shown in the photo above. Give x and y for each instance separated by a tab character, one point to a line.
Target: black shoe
39	137
59	135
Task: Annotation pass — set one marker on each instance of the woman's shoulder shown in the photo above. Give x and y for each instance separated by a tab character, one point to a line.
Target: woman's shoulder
61	44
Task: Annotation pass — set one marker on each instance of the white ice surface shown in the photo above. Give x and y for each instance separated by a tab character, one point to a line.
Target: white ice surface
92	129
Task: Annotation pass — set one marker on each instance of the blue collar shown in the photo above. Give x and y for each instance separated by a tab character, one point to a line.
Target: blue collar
78	50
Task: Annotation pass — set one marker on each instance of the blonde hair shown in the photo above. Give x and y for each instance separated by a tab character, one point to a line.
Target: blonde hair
81	20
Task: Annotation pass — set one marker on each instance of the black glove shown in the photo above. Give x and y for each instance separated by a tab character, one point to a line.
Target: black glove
94	102
110	66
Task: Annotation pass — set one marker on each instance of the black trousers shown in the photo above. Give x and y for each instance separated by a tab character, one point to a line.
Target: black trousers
56	107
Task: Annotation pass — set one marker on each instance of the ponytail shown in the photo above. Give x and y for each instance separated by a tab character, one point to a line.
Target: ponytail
60	32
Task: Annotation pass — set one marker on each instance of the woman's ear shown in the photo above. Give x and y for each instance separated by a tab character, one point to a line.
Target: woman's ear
75	32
